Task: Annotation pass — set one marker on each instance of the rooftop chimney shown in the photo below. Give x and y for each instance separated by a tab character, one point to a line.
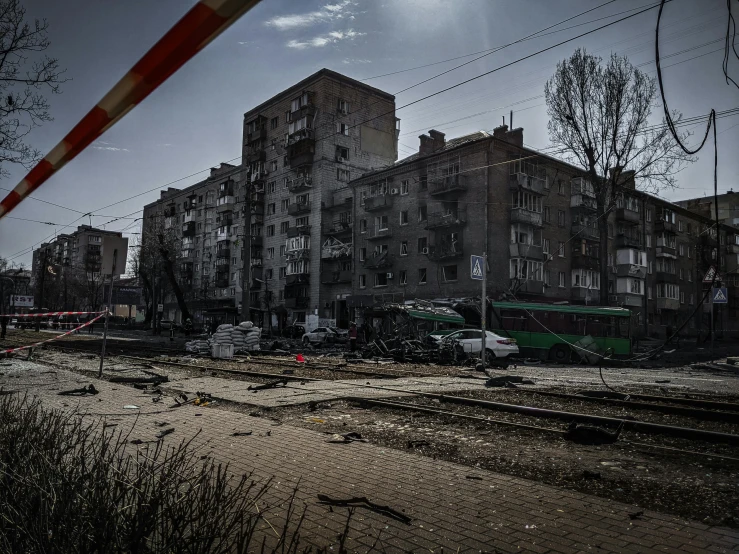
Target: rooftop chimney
438	137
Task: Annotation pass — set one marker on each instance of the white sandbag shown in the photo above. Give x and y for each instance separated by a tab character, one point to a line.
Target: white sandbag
246	325
224	327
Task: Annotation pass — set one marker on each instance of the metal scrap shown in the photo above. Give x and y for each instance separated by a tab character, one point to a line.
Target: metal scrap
270	385
82	391
363	501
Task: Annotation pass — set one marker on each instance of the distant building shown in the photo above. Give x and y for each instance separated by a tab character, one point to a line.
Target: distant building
728	207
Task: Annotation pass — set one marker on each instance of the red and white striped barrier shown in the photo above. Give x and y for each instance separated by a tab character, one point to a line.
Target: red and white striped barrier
204	22
57	337
50	314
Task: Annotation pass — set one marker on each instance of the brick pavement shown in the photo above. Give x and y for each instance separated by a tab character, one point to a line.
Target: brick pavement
454	508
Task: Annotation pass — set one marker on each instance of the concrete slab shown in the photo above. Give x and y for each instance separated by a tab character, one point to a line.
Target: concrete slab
317	391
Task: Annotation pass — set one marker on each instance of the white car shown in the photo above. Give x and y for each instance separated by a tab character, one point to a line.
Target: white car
323	335
495	345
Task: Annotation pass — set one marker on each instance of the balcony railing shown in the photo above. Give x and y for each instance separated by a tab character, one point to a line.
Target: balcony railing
447	184
584	260
338	227
455	218
445	252
337	204
188	229
532	184
583	201
374	233
222	233
625	215
376	203
254	155
223	253
297	279
666	277
221	282
583	231
298	254
300	183
379	261
299	208
627	241
662	225
663	251
189	216
527	217
258	134
225	202
300	136
335	277
531	251
302	302
297	231
668	304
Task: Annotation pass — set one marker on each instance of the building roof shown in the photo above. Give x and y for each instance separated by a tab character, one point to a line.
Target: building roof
298	87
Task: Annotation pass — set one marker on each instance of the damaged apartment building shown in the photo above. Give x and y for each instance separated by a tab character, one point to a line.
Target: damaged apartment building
418	222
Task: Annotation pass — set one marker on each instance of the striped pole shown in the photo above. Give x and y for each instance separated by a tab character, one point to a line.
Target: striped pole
204	22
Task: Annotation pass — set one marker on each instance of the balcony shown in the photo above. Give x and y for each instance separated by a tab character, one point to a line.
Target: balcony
630	270
257	240
340	204
527	182
186	253
302	302
222	263
583	294
299	208
668	304
225	203
297	231
336	277
297	279
374	233
448	184
376	203
254	155
665	251
188	229
255	261
222	253
662	225
222	233
530	251
189	216
584	260
625	215
298	254
527	217
258	134
731	262
336	251
306	109
626	299
628	241
221	282
300	183
732	248
169	222
338	228
527	286
583	201
170	211
455	218
708	241
586	232
445	252
666	277
379	261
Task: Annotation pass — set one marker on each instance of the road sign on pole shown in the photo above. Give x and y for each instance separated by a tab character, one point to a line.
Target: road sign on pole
711	275
720	295
477	265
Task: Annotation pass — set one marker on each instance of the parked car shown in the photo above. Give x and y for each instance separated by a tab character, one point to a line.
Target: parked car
325	335
293	331
167	324
471	341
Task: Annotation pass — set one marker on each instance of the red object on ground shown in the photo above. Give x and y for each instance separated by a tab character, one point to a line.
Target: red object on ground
300	358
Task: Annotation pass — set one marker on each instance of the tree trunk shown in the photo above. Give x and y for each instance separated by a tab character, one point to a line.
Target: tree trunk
603	253
169	270
148	298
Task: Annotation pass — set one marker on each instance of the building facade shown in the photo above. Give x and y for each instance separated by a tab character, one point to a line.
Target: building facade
300	150
418	223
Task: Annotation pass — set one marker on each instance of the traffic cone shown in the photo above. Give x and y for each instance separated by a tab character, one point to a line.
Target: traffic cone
300	358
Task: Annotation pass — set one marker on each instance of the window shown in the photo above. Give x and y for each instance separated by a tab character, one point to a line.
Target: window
343	106
560	187
649	293
692	299
233	261
688	251
271	187
381	222
362	281
362	254
610	258
380	279
404	217
268	274
523	269
682	297
302	221
680	228
270	230
547	214
690	277
651	267
681	249
635	286
271	253
284	204
649	215
667	290
362	225
285	183
562	279
342	154
271	208
404	248
682	275
342	174
545	246
342	129
422	245
283	271
404	187
586	278
284	226
403	277
561	249
561	218
273	165
422	276
449	273
649	241
421	213
274	123
527	201
423	183
547	277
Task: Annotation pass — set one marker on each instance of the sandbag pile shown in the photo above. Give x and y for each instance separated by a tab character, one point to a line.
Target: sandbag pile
250	336
244	337
198	346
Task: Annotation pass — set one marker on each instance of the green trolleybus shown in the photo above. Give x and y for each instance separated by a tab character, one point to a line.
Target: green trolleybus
546	331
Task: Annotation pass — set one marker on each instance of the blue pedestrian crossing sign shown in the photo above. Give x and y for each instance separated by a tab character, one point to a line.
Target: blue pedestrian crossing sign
720	296
476	267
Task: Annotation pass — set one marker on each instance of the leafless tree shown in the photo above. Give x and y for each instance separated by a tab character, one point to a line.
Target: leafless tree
599	117
26	76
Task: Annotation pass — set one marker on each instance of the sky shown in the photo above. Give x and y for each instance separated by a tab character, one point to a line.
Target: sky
194	120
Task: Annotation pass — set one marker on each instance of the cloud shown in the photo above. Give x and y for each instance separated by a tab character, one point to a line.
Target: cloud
355	61
103	145
323	40
329	12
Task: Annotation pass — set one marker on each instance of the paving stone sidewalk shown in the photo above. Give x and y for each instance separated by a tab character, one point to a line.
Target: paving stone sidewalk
453	508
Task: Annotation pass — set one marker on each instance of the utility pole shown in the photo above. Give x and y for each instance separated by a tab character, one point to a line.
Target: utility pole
107	314
41	279
246	257
484	295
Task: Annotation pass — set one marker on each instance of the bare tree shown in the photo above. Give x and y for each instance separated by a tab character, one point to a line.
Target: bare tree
598	116
26	75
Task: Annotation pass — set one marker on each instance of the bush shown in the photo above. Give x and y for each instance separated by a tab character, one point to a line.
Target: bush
71	486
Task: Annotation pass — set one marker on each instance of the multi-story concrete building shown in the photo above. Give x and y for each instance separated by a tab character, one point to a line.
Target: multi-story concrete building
418	222
80	250
301	148
208	220
728	207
